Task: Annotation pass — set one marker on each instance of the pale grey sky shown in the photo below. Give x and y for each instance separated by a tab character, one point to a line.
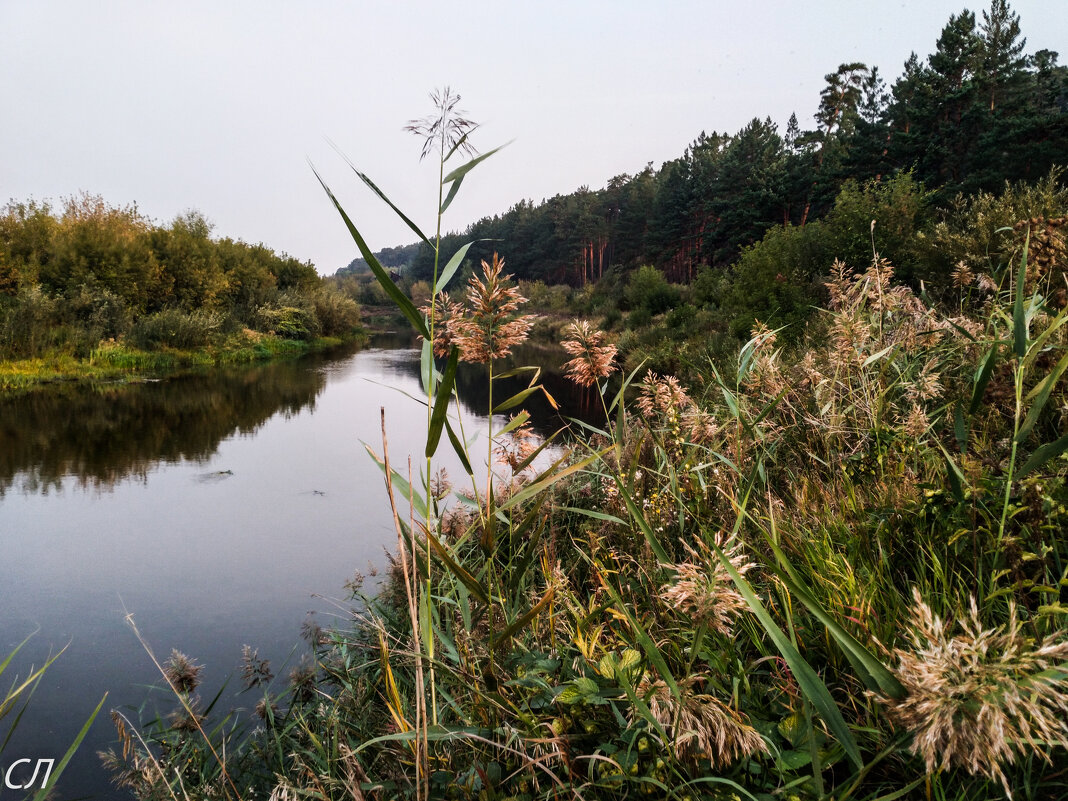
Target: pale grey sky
216	105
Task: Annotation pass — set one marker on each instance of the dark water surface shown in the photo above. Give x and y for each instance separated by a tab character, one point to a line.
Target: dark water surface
217	509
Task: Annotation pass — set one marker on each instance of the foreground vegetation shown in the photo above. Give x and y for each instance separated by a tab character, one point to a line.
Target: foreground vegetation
834	570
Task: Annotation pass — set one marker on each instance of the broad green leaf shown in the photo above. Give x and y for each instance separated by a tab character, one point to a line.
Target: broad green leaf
814	689
595	515
400	483
426	366
441	403
1039	342
876	356
450	196
644	641
451	268
1048	451
399	298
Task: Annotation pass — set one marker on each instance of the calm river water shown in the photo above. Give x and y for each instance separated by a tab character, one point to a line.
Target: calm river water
217	510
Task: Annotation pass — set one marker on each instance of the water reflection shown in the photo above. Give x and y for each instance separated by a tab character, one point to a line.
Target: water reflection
97	434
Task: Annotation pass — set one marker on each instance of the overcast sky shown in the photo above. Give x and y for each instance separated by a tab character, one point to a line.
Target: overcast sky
217	105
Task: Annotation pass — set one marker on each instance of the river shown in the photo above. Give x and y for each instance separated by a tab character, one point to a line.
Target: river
217	509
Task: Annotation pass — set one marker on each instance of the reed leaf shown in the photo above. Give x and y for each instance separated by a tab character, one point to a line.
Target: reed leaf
441	403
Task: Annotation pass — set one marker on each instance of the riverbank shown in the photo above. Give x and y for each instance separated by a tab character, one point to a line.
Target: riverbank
118	361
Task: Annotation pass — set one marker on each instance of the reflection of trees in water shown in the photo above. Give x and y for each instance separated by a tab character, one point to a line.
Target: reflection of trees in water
100	434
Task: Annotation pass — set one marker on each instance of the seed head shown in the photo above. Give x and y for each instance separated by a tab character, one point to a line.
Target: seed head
593	359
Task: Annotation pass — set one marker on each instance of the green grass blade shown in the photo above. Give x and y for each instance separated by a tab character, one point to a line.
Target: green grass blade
875	675
550	477
982	378
815	690
451	195
441	403
1019	317
1048	451
636	514
451	268
458	447
515	400
953	474
463	169
457	569
46	791
1041	394
398	297
520	623
513	424
374	188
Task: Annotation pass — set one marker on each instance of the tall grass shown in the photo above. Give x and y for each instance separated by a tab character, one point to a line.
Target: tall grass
839	572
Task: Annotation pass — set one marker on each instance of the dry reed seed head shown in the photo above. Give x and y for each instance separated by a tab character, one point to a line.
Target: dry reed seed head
663	397
593	359
488	328
440	484
962	275
979	698
986	284
187	718
254	671
699	724
445	127
302	682
917	423
182	672
704	590
516	447
441	310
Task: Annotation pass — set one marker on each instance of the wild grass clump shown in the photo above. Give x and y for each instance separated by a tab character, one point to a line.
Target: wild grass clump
836	572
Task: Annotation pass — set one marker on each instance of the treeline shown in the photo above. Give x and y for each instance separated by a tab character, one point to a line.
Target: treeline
72	278
974	114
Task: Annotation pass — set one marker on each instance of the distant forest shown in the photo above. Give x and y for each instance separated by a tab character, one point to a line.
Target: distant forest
977	112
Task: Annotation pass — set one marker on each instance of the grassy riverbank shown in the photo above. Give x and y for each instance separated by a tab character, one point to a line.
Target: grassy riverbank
117	361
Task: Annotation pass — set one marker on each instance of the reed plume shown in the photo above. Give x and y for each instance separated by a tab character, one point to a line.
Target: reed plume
593	359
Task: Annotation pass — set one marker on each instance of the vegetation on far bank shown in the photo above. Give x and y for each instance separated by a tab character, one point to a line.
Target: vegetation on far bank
96	290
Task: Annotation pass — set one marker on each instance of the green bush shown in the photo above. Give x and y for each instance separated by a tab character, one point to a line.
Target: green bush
27	323
648	289
336	313
176	329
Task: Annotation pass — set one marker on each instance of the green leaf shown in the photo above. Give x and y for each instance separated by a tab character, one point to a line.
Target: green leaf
814	689
513	424
463	169
450	196
550	477
1041	394
456	569
1019	317
643	524
441	403
515	400
872	672
401	484
459	448
953	474
645	641
388	202
398	297
451	267
982	378
1044	454
521	623
46	791
595	515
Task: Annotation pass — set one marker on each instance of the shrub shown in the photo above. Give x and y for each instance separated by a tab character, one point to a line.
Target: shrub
175	329
336	313
648	289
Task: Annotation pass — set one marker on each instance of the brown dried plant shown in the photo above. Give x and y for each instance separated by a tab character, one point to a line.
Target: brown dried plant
699	724
704	591
979	698
182	672
489	327
593	360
